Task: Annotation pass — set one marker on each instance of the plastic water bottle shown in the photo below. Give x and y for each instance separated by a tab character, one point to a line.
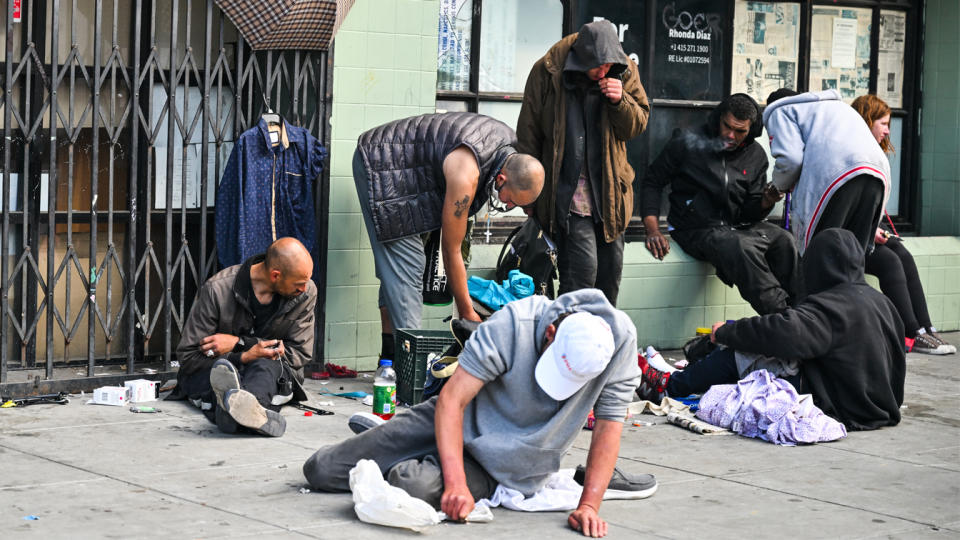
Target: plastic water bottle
385	390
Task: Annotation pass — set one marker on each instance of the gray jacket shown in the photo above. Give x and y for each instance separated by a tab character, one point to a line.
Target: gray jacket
404	162
512	427
222	308
819	142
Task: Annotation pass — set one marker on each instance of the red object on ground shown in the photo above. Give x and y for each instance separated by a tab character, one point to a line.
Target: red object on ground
341	372
320	375
909	343
308	413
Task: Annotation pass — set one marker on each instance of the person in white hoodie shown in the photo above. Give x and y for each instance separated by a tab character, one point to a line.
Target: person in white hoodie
829	159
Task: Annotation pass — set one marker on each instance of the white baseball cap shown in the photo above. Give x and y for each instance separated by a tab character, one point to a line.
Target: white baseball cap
580	351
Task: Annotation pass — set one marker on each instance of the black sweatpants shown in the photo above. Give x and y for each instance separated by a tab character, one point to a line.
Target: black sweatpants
761	260
258	377
719	367
586	260
856	207
900	282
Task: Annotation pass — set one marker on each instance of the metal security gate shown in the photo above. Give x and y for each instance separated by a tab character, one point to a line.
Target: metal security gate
118	118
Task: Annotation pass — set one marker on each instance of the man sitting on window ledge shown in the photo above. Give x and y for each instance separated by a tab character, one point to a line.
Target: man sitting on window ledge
718	205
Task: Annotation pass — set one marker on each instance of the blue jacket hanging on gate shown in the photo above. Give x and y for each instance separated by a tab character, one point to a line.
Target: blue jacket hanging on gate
266	192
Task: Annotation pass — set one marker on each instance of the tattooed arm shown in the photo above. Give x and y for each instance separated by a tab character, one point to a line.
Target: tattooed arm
462	174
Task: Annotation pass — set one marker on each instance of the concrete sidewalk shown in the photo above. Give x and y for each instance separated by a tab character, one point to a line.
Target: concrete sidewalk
103	472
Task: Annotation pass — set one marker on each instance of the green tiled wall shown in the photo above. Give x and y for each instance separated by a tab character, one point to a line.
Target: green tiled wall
940	120
385	67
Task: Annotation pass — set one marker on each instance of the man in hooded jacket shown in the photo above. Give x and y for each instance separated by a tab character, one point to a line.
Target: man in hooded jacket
718	205
856	379
582	102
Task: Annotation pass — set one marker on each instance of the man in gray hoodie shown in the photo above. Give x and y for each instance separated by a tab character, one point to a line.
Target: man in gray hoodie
527	380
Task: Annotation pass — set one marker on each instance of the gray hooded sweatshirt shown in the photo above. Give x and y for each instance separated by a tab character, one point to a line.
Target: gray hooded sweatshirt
512	427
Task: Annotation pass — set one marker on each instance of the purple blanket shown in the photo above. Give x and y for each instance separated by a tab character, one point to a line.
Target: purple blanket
766	407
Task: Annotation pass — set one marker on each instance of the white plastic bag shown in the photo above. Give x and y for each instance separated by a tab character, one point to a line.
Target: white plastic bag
376	501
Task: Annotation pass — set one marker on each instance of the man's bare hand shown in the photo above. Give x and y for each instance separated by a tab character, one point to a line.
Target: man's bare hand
880	237
218	344
657	244
456	502
586	520
771	195
471	315
713	331
268	348
612	89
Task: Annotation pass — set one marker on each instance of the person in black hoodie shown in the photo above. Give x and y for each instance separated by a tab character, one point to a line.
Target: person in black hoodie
719	202
845	337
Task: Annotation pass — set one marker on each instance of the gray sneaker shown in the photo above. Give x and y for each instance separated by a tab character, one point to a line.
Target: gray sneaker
223	377
643	485
362	421
247	411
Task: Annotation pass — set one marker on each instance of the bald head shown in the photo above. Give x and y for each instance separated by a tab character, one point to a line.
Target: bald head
290	266
524	174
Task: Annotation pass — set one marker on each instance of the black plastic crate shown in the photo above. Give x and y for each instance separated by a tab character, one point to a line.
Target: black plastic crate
412	347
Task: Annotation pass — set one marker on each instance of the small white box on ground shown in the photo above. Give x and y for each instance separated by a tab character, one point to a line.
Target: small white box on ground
111	395
141	390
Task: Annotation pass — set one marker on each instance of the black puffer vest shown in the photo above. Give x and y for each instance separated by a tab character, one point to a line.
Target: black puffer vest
404	163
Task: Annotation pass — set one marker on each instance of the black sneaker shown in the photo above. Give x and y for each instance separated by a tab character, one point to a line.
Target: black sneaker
698	348
247	411
643	485
224	421
653	384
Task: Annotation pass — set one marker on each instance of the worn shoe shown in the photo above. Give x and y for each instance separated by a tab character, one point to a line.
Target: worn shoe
225	422
653	383
932	332
247	411
223	377
698	348
927	344
362	421
644	485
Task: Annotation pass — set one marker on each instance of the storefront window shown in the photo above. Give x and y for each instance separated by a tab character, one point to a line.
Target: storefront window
453	60
766	47
513	36
689	43
840	50
893	30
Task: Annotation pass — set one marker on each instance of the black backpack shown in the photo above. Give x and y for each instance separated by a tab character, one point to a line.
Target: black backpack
529	249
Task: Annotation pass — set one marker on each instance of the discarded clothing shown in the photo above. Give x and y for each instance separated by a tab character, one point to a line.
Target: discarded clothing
561	493
692	424
665	407
766	407
496	295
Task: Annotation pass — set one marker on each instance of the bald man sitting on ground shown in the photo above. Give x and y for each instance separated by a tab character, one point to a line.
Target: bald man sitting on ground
247	338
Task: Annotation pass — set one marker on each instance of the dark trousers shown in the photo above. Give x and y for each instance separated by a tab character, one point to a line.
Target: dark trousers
900	282
258	377
719	367
405	449
856	207
585	260
761	260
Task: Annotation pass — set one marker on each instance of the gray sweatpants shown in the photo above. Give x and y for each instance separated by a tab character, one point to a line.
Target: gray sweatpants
405	448
398	263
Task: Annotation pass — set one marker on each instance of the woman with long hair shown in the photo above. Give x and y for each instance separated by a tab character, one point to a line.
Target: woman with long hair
890	261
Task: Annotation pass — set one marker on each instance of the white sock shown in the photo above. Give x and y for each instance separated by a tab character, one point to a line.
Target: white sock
658	363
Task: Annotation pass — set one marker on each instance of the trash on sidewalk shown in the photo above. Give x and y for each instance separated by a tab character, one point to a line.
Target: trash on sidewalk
31	517
59	398
695	425
110	395
375	501
141	390
666	406
142	409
